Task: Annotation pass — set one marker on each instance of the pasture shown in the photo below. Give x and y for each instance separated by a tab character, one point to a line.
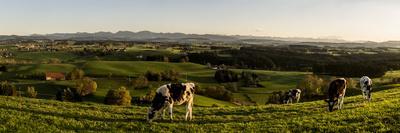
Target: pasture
113	74
381	115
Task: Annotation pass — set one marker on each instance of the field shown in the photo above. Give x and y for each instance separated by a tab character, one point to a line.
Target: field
380	115
121	71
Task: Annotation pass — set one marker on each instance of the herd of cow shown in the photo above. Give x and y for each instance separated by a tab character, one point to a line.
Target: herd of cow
179	93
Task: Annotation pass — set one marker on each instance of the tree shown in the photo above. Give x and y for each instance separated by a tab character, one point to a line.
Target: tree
118	96
153	76
31	92
165	59
170	75
76	73
250	79
312	85
8	89
225	75
86	86
68	95
140	82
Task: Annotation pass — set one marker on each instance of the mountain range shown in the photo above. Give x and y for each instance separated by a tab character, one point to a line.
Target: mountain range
182	37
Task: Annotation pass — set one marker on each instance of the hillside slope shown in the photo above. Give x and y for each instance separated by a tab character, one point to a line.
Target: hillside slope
382	114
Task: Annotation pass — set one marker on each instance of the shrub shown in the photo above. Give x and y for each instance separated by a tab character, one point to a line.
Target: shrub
276	97
351	83
7	89
217	92
153	76
75	74
170	75
146	99
313	86
140	82
86	86
68	95
250	79
31	92
225	75
118	96
54	61
233	87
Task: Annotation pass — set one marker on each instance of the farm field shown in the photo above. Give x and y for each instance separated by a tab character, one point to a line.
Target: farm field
380	115
122	70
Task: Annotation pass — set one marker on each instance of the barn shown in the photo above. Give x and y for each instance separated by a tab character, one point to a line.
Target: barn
55	76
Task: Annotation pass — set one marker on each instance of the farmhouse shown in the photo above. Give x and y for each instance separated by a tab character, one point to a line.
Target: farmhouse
55	76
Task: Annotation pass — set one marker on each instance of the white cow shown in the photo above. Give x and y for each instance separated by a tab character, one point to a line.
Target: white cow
292	95
169	95
366	87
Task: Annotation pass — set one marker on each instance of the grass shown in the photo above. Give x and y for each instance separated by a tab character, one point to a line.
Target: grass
40	68
380	115
121	70
135	68
45	56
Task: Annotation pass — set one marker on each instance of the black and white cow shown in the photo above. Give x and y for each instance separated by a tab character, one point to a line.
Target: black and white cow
169	95
336	93
292	95
366	87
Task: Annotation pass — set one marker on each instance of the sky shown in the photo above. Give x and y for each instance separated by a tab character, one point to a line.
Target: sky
375	20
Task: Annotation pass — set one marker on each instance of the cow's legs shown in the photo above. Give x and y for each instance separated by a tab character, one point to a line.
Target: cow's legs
363	94
163	113
191	111
188	111
170	106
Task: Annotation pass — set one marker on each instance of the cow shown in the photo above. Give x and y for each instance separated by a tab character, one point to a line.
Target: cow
169	95
366	87
336	93
291	95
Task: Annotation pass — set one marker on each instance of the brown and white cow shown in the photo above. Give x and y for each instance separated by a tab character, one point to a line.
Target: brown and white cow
336	93
169	95
292	95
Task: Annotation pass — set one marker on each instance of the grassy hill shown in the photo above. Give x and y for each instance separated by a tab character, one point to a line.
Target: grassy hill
23	114
121	70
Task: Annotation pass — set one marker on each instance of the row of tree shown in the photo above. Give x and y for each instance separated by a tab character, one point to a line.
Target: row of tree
285	58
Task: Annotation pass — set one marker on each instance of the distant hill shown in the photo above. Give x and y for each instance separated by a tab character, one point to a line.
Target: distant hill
182	37
148	35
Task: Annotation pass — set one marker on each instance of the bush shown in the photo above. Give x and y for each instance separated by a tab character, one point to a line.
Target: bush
8	89
86	86
313	86
31	92
146	99
170	75
68	95
153	76
140	82
118	96
75	74
276	97
217	92
225	75
233	87
250	79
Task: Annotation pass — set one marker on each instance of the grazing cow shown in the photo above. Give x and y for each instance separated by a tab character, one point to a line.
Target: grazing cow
336	93
169	95
291	95
366	84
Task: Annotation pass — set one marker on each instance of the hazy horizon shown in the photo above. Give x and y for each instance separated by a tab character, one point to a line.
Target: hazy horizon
332	19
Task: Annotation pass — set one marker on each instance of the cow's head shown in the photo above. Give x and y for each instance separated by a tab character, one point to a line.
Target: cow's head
296	92
190	86
331	103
